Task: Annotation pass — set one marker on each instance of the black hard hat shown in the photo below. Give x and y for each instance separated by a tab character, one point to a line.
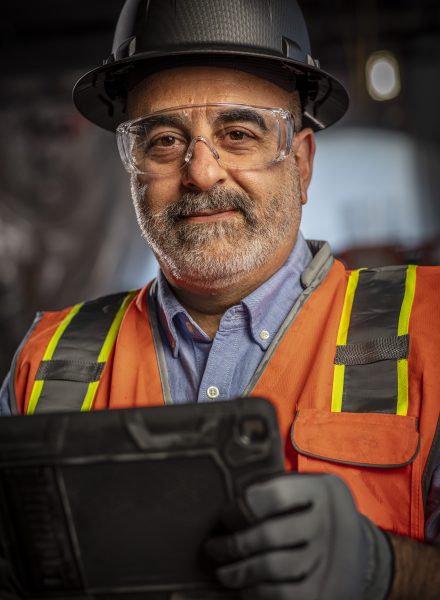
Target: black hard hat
268	38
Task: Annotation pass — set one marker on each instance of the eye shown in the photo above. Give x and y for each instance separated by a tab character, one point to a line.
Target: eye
164	141
237	135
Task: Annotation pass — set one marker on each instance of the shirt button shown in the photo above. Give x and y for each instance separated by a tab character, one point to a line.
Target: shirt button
213	392
264	335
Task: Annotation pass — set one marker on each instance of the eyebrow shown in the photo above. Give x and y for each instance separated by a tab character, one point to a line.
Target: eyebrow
241	114
225	117
165	120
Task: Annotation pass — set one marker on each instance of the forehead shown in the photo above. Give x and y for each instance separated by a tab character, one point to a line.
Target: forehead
203	85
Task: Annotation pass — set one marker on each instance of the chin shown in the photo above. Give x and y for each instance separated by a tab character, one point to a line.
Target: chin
209	271
196	281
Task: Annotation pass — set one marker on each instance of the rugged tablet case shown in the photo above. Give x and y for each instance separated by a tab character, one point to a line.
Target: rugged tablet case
118	504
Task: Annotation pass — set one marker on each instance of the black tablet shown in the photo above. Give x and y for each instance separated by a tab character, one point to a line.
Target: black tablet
118	504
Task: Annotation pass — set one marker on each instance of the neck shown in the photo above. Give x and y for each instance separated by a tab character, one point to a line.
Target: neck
207	307
207	304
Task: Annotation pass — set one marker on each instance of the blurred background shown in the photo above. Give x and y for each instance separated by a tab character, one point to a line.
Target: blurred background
67	230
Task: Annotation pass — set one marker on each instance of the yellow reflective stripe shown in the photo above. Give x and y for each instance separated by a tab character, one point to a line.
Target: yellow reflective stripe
60	330
37	388
106	349
348	305
338	387
402	329
113	331
339	370
410	290
402	387
90	396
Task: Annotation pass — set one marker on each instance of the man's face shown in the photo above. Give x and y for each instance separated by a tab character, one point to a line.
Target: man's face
210	225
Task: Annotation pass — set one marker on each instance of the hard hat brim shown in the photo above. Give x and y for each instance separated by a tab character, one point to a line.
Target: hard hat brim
100	95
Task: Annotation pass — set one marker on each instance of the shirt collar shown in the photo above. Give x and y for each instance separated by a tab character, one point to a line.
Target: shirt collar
280	291
270	303
173	316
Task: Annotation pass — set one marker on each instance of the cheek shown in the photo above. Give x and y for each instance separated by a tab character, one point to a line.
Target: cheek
256	184
261	185
159	193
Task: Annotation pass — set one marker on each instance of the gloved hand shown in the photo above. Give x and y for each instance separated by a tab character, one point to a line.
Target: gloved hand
307	541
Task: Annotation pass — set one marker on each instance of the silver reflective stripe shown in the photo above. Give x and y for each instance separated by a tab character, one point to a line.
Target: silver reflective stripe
160	354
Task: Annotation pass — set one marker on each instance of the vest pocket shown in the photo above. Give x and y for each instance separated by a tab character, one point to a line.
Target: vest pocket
371	440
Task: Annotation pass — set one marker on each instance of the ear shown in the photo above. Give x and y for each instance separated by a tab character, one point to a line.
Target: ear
304	152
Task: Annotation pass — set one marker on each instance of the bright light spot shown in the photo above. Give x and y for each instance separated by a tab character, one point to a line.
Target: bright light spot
383	76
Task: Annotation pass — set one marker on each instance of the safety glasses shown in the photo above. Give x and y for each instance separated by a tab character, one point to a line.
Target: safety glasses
239	136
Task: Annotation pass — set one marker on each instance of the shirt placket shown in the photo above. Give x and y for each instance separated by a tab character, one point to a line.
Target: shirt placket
216	381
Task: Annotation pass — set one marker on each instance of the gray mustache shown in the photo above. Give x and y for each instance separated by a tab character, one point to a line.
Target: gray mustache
190	202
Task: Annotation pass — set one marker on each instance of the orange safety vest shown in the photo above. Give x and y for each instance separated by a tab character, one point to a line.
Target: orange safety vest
364	409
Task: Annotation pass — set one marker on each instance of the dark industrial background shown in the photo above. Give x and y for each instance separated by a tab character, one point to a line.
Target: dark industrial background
67	231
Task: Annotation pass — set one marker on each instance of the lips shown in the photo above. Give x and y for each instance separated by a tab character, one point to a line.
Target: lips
210	214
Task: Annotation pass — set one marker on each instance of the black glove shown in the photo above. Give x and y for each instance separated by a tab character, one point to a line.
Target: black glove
307	542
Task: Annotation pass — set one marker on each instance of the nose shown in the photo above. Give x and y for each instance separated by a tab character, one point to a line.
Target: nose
202	171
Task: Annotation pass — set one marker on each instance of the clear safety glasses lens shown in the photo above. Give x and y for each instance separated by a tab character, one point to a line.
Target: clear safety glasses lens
238	136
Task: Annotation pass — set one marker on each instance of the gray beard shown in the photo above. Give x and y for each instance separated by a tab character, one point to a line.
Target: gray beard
219	253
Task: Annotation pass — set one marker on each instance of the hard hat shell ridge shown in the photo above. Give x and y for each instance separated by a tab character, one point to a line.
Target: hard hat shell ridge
268	38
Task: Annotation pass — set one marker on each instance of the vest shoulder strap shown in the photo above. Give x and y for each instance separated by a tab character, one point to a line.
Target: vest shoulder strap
69	373
371	361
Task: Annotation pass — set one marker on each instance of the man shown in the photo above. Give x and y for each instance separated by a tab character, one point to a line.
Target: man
215	105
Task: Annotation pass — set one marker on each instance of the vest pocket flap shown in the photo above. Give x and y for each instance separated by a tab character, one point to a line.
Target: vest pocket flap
361	439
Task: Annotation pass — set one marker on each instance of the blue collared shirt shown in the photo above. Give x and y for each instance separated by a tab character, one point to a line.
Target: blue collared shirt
202	369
